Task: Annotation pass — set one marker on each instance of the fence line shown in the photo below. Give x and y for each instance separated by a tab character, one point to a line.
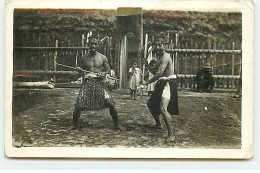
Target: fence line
189	56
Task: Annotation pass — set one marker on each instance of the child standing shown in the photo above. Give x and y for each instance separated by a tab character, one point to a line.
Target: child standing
135	79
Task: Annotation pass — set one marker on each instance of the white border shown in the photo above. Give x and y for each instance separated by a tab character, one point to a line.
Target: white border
246	151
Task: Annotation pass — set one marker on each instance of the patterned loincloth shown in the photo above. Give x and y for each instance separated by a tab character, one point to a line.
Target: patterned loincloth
92	95
155	99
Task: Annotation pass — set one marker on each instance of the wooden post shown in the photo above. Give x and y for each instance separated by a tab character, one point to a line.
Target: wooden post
139	24
145	53
223	66
123	61
233	63
82	43
240	65
176	53
186	66
215	56
55	60
76	63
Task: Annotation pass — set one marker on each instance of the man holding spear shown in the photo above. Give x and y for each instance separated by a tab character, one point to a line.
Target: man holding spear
93	94
164	99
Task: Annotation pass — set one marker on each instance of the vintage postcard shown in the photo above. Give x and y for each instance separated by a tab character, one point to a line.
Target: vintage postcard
129	79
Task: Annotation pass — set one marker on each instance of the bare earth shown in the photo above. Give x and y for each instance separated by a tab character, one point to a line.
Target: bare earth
43	118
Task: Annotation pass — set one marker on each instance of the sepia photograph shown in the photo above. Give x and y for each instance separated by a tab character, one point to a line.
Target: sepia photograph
127	78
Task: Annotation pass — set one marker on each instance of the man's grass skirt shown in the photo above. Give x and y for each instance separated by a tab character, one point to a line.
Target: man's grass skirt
92	95
155	99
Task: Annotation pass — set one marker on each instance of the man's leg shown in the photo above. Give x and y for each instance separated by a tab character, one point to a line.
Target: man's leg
131	93
76	115
134	91
167	119
155	113
113	113
200	83
211	83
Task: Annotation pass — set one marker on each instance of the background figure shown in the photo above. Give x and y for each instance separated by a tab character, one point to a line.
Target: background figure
152	85
204	79
111	79
152	63
135	79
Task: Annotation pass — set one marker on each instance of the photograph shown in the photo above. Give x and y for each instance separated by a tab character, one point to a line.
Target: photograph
127	78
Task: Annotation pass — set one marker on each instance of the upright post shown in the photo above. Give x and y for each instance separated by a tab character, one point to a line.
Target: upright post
55	60
139	23
224	64
145	53
82	43
186	66
176	53
233	63
215	56
76	63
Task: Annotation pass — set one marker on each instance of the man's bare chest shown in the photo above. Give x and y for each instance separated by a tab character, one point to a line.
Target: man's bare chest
93	61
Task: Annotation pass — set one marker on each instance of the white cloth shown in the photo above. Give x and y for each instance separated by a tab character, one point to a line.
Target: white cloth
135	78
168	78
107	96
167	91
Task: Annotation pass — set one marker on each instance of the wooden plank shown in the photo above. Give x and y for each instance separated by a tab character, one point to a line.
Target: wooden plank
45	72
53	48
43	85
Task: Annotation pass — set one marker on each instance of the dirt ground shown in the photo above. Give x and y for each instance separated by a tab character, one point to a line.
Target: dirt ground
43	117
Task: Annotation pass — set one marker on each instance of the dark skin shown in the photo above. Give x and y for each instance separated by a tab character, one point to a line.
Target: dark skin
163	68
95	62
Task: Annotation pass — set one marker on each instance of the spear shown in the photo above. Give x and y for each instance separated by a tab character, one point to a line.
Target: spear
81	70
74	68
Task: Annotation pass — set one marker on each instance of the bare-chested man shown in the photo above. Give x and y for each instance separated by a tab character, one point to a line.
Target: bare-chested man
93	94
164	99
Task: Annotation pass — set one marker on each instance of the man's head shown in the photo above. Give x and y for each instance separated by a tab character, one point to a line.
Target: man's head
111	67
159	47
152	63
207	66
93	44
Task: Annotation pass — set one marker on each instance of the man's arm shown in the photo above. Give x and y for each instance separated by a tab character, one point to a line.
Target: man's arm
105	65
131	71
153	70
159	73
80	67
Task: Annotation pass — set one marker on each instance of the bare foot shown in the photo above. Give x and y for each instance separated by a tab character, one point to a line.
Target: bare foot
118	128
73	128
157	126
170	139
